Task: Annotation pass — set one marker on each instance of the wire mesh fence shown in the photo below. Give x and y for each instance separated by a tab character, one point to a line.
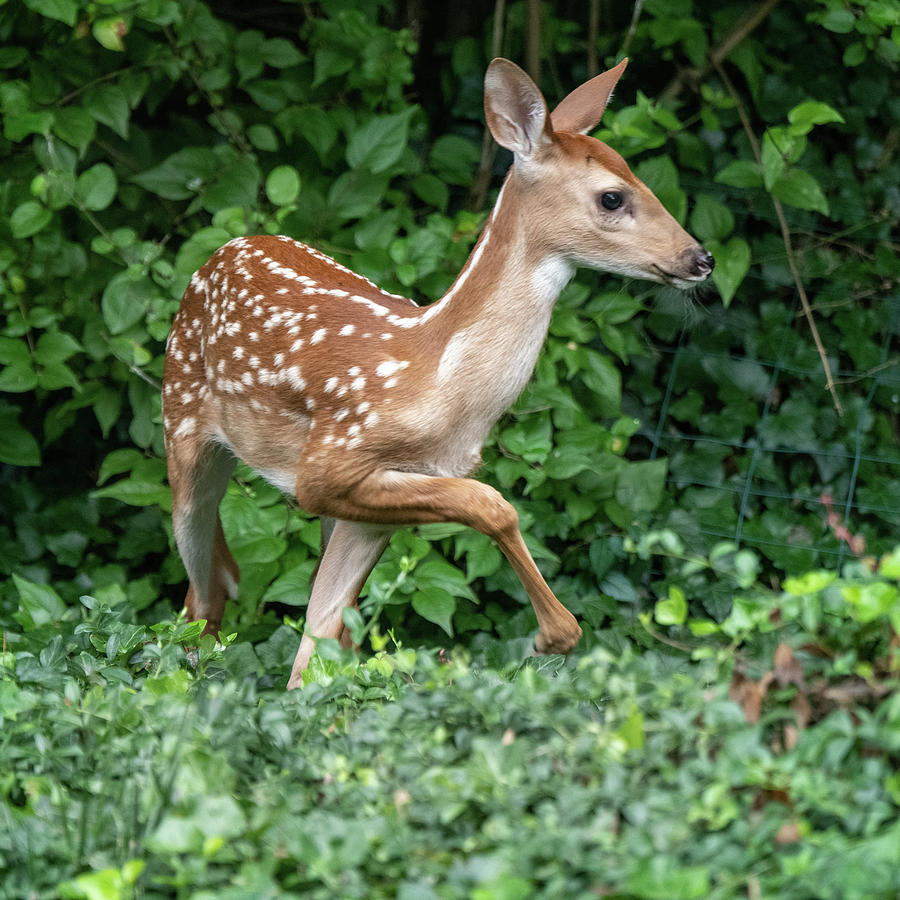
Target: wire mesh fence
758	454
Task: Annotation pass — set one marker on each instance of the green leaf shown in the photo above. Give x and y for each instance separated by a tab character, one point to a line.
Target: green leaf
672	610
804	116
741	173
18	447
871	600
16	127
281	53
454	158
710	219
62	10
436	605
181	175
96	188
198	248
379	143
356	193
75	126
109	106
136	493
117	462
126	299
263	137
661	175
732	264
258	548
800	189
640	485
39	604
109	31
810	583
438	573
29	218
283	185
55	346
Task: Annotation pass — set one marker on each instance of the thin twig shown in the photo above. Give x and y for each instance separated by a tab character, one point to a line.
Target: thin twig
632	28
718	54
533	42
479	187
788	245
593	30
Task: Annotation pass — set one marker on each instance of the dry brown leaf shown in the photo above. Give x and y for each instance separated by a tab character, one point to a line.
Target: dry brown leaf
787	668
748	694
788	834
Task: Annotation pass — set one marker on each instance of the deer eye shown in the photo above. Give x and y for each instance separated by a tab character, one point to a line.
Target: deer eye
611	200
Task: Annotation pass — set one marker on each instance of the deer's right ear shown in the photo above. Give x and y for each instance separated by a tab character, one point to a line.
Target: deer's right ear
515	110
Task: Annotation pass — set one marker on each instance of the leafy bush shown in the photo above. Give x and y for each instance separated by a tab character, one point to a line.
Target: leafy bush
712	737
764	766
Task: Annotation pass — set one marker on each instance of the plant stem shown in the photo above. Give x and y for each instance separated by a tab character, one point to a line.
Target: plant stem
788	245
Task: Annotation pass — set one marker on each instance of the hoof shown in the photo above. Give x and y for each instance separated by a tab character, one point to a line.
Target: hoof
561	641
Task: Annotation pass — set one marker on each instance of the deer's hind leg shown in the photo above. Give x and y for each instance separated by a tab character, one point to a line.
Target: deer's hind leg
199	473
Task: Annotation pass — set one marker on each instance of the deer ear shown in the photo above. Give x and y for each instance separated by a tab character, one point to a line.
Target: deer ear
583	108
515	110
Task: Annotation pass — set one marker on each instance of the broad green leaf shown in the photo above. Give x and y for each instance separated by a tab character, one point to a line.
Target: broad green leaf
872	599
281	53
378	144
673	609
263	137
181	175
237	184
310	122
660	174
711	220
109	31
732	264
109	106
29	218
75	126
55	346
438	573
804	116
136	493
63	10
198	248
356	193
454	159
117	462
17	126
39	604
436	605
810	583
741	173
640	485
126	299
18	447
283	185
96	188
258	548
798	188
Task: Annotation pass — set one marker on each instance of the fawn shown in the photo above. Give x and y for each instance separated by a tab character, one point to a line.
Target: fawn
371	410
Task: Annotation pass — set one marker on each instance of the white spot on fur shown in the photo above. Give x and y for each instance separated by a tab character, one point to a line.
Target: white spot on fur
390	367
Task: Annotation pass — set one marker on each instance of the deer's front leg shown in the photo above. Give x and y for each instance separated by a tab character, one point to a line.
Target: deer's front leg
403	498
351	552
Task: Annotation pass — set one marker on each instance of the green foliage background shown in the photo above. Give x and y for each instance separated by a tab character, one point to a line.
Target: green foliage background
666	459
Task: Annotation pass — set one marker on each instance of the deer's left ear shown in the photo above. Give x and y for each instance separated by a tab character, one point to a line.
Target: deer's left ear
580	112
515	110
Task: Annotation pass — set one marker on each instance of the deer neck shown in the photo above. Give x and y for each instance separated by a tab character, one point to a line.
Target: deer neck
494	318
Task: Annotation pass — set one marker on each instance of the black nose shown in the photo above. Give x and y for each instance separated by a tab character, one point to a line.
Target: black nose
703	263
